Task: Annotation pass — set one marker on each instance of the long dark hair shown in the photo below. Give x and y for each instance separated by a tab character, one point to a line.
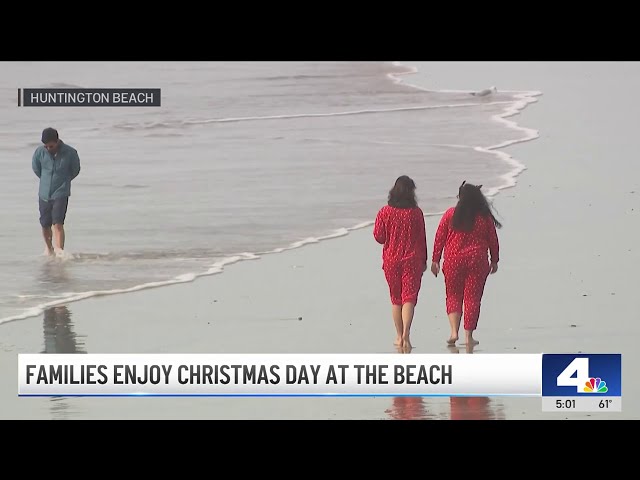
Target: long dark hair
471	203
403	193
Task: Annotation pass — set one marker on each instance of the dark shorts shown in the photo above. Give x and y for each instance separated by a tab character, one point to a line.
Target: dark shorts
53	212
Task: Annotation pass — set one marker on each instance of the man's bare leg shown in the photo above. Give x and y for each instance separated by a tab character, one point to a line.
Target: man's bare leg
58	231
48	237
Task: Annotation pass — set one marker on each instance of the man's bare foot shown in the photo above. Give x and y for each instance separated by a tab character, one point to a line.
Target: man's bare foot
452	340
48	251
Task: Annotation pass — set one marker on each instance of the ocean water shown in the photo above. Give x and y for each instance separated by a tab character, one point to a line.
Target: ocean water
241	160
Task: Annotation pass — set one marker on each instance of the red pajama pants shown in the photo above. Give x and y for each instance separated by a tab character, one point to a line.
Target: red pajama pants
465	278
404	279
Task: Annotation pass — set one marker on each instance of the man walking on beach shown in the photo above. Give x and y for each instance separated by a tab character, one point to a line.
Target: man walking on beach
56	164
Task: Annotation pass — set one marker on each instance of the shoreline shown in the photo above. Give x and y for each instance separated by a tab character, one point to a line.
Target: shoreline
509	178
526	98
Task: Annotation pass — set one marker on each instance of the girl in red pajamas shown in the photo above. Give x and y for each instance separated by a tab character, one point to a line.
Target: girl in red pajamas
467	233
399	226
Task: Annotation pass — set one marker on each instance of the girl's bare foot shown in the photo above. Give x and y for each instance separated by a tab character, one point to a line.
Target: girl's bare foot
470	341
452	339
398	342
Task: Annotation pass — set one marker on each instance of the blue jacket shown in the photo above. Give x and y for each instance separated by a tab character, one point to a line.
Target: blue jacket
55	174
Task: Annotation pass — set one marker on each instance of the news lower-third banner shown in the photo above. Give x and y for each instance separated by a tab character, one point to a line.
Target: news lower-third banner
556	376
89	97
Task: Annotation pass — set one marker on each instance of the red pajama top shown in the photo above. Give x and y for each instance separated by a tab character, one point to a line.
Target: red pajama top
402	232
481	239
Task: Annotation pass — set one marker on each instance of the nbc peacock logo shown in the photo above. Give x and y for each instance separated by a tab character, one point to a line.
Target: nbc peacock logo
596	385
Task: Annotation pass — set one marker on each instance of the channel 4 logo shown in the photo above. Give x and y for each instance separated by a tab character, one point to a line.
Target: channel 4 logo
577	375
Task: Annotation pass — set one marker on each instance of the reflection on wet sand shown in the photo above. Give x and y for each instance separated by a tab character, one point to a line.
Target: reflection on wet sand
60	337
475	408
408	408
451	408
